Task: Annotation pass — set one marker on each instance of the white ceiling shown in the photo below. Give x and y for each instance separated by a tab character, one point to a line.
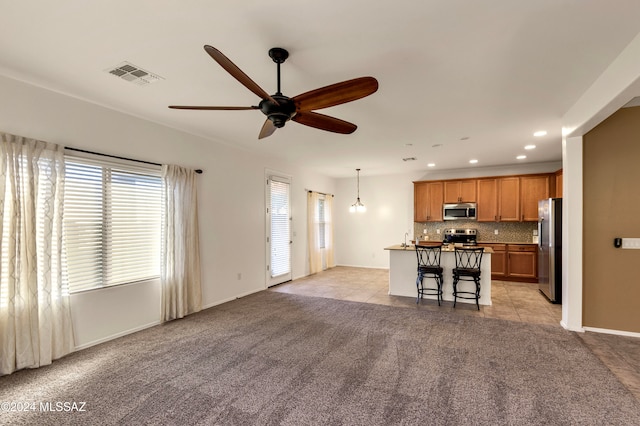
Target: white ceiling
492	71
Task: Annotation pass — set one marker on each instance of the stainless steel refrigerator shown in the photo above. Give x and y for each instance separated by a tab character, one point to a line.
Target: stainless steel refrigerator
550	248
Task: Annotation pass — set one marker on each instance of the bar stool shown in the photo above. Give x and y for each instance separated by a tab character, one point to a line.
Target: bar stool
468	261
429	267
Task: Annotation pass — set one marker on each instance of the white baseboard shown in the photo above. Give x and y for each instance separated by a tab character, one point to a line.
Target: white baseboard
367	267
566	327
229	299
616	332
154	323
115	336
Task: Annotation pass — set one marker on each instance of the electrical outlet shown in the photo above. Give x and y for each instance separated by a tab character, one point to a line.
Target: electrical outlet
437	231
424	231
495	231
535	232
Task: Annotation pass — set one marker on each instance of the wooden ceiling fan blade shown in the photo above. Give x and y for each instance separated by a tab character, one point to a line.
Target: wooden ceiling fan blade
324	122
212	108
237	73
267	129
336	94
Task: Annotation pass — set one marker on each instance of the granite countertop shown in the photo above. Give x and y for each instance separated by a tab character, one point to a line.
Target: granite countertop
507	242
412	247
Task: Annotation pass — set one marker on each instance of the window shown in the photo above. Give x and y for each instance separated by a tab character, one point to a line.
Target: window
112	223
321	222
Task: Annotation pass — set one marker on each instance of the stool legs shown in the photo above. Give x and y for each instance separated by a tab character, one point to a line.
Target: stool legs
476	294
437	291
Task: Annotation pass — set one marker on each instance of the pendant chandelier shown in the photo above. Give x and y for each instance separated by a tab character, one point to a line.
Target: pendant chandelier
358	206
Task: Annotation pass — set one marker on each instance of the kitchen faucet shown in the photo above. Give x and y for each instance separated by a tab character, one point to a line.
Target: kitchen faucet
406	234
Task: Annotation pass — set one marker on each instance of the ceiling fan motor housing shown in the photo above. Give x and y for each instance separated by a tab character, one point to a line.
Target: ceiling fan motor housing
278	113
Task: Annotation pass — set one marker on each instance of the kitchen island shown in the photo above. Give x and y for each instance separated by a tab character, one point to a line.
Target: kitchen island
403	266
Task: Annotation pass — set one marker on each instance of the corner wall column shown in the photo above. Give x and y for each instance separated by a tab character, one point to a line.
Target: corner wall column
572	234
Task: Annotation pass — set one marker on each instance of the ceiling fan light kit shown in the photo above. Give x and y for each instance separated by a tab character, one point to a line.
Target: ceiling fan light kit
279	108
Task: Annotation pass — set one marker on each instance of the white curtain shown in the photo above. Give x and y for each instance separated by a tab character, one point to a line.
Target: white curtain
328	215
180	276
313	237
35	317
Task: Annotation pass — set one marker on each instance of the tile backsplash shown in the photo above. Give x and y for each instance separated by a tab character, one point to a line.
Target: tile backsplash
508	232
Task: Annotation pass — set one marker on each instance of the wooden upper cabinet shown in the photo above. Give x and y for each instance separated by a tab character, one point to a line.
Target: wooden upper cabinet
487	199
460	191
559	184
427	199
499	199
509	199
532	189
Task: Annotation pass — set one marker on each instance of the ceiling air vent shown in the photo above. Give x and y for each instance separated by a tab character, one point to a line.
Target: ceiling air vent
409	159
134	74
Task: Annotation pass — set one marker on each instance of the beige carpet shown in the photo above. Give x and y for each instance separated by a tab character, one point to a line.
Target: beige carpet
274	358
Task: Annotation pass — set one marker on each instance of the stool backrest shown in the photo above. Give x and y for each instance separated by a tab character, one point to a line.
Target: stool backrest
468	258
428	255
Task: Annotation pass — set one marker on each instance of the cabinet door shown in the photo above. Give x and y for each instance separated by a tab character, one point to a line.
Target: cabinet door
468	191
509	199
559	183
498	261
487	210
427	201
436	196
420	201
522	261
532	189
452	191
460	191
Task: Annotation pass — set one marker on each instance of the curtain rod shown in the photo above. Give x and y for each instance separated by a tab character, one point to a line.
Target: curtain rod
321	193
199	171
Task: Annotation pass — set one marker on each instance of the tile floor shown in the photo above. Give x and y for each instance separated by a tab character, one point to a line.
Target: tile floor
510	301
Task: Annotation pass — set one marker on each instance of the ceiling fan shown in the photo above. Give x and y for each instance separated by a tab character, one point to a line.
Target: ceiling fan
279	108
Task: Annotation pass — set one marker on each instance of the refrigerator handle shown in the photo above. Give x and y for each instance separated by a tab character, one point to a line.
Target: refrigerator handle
540	233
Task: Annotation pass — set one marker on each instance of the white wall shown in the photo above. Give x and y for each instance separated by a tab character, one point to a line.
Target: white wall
231	201
361	237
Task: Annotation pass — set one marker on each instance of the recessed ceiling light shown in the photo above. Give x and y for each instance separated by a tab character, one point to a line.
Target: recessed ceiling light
530	147
521	157
431	165
540	133
474	161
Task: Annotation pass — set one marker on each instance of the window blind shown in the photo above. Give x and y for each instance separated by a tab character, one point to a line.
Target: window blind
112	223
320	218
280	228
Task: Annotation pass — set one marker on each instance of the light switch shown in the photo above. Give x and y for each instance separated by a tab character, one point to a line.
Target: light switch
631	243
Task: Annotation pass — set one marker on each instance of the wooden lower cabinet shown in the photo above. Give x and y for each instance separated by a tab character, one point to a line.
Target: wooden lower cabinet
523	261
514	262
498	260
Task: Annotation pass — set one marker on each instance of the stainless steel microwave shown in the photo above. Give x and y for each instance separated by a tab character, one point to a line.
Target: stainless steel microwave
460	211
